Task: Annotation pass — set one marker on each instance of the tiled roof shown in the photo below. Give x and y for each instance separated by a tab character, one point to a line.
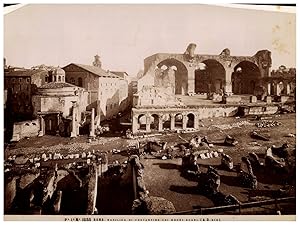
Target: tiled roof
119	73
53	85
96	70
23	72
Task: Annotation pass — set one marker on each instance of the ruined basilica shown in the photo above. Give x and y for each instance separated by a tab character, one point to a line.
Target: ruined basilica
173	89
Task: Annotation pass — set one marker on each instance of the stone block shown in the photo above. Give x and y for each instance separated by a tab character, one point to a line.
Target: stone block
268	99
284	99
253	99
232	99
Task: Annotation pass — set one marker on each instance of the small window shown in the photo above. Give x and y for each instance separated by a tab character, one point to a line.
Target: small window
20	80
59	79
13	80
72	80
54	78
34	124
28	80
26	124
80	83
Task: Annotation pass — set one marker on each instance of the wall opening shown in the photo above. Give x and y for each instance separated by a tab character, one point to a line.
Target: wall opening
154	122
172	73
211	78
166	122
191	120
245	78
142	122
178	121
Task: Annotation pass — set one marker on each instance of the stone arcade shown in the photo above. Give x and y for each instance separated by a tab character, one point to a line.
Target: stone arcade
165	101
197	73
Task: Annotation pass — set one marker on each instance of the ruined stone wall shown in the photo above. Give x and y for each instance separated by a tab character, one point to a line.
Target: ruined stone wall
156	96
24	129
60	103
9	192
205	112
260	110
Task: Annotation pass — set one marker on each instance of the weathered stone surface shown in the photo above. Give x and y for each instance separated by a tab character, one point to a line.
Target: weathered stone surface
159	206
27	179
92	190
10	192
21	159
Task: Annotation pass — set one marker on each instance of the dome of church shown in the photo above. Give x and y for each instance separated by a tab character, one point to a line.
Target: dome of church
58	72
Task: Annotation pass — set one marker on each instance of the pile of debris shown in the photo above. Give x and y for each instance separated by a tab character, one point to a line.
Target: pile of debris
234	125
267	123
226	161
101	129
246	175
209	183
144	204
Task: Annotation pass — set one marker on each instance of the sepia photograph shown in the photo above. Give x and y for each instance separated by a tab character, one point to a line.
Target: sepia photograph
129	110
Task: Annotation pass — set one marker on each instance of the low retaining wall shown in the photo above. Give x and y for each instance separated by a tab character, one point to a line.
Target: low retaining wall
258	110
25	129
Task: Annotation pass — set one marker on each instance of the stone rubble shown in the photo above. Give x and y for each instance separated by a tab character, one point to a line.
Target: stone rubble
267	123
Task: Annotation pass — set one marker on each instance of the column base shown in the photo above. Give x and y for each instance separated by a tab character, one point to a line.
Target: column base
73	135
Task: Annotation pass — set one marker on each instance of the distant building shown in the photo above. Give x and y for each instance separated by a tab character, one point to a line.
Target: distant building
282	81
20	84
121	74
108	92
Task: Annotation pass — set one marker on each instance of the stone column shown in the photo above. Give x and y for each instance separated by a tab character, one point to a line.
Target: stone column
160	122
98	112
228	84
172	127
148	123
277	89
269	88
191	79
135	125
196	122
92	127
74	130
288	89
184	121
42	126
58	121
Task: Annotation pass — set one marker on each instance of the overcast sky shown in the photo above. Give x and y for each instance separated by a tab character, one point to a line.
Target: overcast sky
123	35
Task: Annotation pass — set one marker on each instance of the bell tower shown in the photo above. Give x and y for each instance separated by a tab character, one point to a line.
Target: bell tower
97	61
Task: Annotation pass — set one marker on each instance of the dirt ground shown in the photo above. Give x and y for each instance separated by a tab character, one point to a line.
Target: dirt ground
162	177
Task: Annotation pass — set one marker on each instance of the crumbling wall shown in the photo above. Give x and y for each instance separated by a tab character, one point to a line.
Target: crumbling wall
92	191
9	192
258	110
24	129
144	203
156	96
209	112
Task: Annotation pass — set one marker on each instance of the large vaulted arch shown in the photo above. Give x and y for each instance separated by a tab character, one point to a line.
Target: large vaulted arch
211	78
245	78
172	73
